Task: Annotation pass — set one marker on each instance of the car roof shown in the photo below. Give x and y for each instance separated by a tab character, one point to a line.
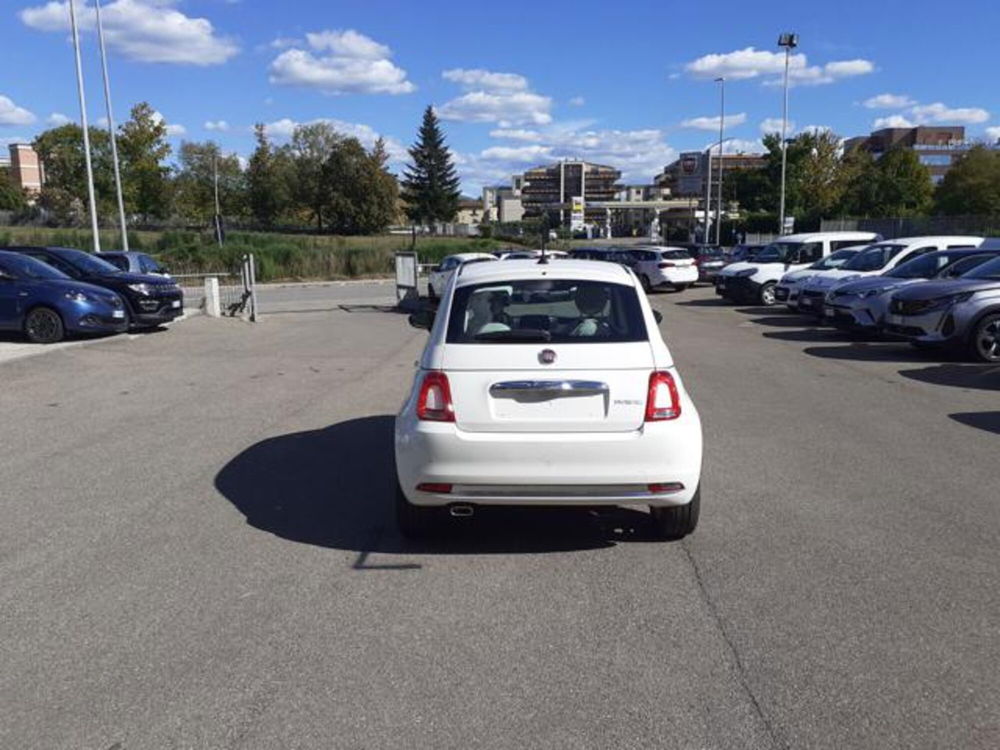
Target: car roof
472	256
907	241
814	236
515	270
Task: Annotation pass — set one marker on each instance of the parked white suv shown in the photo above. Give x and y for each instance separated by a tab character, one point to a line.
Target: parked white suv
659	267
546	384
439	276
754	281
874	260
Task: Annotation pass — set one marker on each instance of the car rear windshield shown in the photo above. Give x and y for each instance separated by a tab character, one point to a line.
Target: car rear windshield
551	310
675	255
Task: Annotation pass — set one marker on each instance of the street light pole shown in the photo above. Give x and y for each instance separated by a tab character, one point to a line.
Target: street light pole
708	194
111	126
789	42
86	134
722	134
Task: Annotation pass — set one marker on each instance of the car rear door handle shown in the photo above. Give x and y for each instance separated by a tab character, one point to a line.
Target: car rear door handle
554	387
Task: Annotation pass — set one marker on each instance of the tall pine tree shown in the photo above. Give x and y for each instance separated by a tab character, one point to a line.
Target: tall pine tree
430	184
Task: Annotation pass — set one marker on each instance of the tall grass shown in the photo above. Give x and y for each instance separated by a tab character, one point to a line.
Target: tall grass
278	256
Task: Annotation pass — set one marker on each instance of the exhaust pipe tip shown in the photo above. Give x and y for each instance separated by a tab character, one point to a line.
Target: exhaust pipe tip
461	511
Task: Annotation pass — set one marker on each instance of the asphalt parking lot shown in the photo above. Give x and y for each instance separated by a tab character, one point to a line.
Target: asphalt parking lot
198	550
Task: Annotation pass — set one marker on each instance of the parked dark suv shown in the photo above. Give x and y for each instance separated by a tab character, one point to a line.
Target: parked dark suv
149	300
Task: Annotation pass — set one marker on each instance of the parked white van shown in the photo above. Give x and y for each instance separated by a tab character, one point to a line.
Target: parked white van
753	282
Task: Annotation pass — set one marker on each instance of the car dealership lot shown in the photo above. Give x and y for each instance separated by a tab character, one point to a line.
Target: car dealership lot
198	550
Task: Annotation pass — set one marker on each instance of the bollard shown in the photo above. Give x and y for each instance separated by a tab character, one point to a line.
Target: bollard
213	306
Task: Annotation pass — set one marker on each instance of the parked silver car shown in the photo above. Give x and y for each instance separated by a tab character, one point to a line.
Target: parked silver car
862	304
964	313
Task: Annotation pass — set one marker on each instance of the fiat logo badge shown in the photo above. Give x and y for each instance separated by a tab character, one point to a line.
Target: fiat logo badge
547	356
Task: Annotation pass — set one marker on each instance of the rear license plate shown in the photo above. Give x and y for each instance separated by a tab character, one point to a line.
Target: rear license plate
175	303
118	314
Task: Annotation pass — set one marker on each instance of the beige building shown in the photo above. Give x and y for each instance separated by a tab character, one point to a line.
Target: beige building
470	211
26	169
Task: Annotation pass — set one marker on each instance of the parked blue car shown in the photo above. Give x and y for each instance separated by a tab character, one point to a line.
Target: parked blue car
45	304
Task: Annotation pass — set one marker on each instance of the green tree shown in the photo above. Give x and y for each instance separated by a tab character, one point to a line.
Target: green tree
194	184
901	184
859	170
821	176
971	186
310	150
143	149
268	181
11	196
430	184
61	150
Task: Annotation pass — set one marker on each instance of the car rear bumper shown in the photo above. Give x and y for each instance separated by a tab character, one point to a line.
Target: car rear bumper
614	468
674	276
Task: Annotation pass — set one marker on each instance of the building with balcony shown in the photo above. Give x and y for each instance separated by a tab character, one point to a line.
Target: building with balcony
686	176
937	147
550	189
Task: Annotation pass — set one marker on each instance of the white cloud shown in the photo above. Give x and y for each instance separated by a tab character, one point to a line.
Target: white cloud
485	106
743	63
993	134
753	63
284	128
57	119
340	62
892	121
283	42
888	101
503	98
173	130
773	125
220	125
144	30
485	80
11	114
640	154
577	101
516	134
738	146
938	112
816	129
712	123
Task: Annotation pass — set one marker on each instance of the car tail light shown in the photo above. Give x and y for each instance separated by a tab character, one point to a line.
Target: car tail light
663	401
666	264
438	488
434	402
662	488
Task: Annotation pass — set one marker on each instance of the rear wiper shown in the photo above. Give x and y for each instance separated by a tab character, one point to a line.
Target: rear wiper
515	334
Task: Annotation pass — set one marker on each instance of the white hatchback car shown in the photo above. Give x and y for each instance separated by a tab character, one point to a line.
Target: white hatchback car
439	276
659	267
546	384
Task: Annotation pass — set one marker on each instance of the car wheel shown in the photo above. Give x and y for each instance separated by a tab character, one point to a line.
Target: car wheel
678	521
43	326
985	341
646	284
430	292
415	521
766	296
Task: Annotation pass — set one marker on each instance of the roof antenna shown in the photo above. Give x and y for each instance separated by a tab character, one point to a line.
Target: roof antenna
544	260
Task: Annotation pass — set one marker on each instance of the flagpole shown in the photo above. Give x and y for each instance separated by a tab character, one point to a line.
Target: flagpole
86	133
111	127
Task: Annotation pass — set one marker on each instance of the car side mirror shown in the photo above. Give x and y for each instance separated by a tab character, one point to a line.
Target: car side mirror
657	316
422	319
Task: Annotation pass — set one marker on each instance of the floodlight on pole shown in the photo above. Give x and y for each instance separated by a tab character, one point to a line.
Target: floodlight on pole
722	136
789	41
111	126
92	203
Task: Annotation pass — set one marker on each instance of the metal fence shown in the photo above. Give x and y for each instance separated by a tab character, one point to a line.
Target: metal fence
237	290
985	226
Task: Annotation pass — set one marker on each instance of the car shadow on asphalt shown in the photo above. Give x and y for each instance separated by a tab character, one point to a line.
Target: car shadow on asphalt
879	352
705	303
335	487
980	377
981	420
786	321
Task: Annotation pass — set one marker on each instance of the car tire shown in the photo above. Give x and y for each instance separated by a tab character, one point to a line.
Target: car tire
682	287
984	342
43	325
415	521
430	292
676	522
646	284
766	295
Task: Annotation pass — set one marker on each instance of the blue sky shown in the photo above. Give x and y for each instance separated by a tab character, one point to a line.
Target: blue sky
516	83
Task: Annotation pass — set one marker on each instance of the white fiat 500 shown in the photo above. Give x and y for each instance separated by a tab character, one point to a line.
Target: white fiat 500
546	384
